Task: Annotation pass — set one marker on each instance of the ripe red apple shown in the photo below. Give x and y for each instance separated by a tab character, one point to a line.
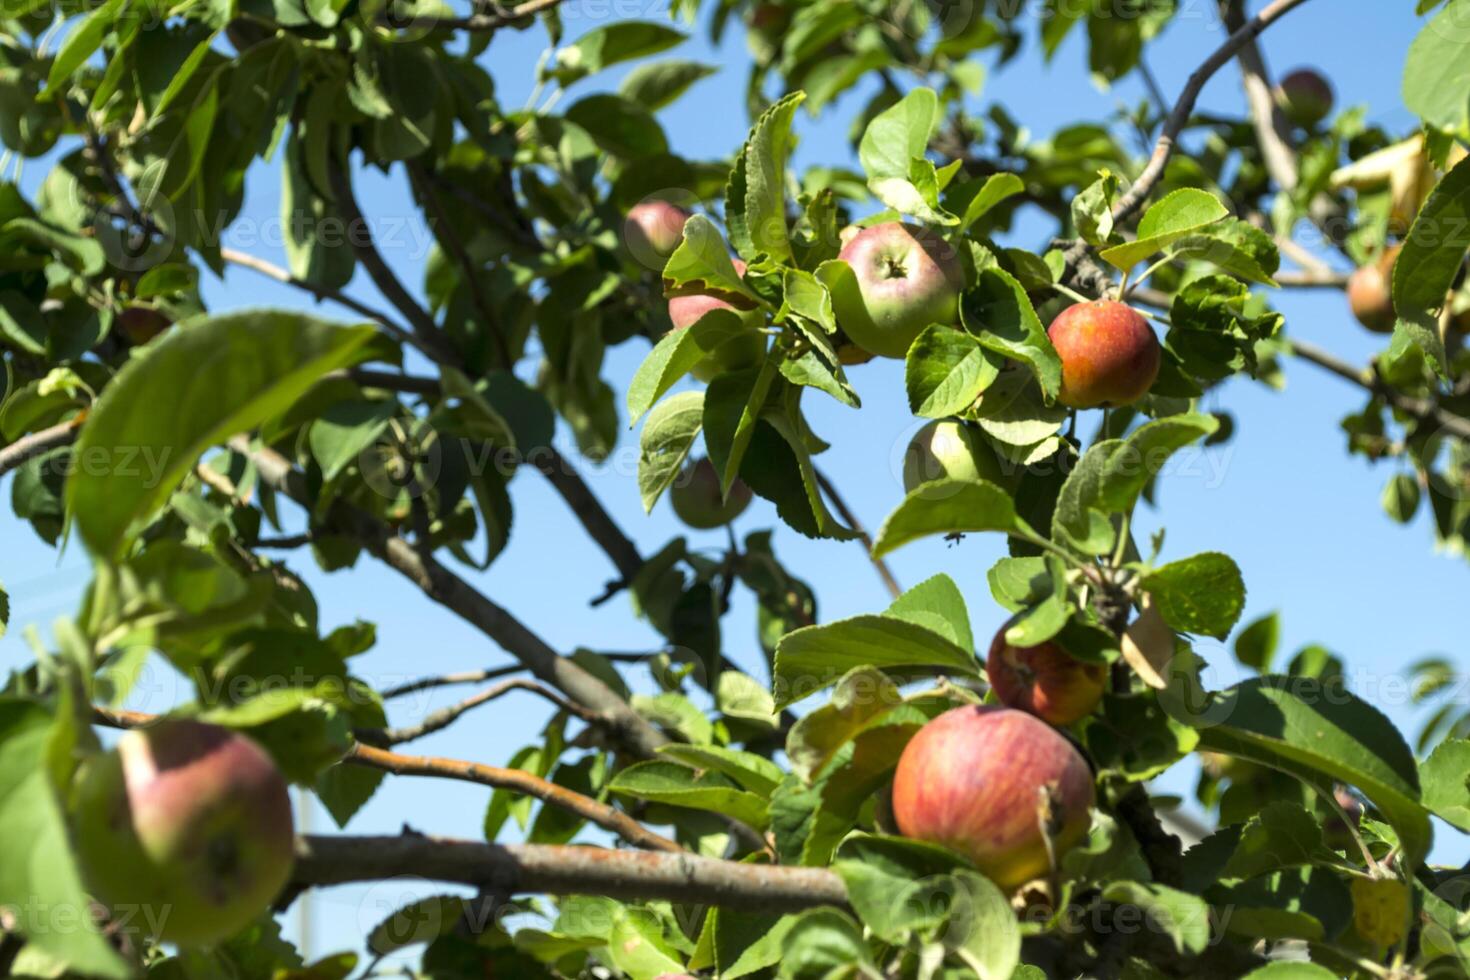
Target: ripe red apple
187	824
1305	97
907	279
141	324
946	449
1044	680
739	352
1109	354
993	783
697	500
653	230
1370	293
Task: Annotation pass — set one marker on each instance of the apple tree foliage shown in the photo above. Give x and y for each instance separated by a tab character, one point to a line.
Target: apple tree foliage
182	463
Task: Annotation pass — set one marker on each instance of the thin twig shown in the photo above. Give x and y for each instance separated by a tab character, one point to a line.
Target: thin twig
273	271
846	513
439	720
1369	381
516	781
34	444
487	22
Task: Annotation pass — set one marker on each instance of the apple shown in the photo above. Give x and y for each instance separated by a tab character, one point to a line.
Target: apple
697	500
907	278
847	234
1305	97
653	230
141	324
1109	354
1370	292
986	782
738	352
1044	680
188	825
947	449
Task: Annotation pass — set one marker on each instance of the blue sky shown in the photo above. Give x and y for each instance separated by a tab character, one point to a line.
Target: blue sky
1298	514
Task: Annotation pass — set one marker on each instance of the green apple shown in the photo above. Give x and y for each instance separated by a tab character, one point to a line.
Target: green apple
946	449
907	278
697	499
187	826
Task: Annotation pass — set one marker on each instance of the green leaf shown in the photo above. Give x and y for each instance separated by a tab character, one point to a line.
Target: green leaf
702	264
664	444
1183	917
1436	84
732	406
1318	732
677	785
765	156
1233	246
755	773
638	947
898	134
999	313
945	371
1092	209
1177	216
1288	970
877	869
1401	497
1111	475
657	84
38	874
227	374
995	189
822	943
1256	645
21	323
948	507
925	627
80	44
610	44
1202	594
675	355
1445	776
1429	262
343	430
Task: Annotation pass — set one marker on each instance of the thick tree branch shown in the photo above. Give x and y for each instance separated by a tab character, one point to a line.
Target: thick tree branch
444	717
884	572
1273	132
567	870
34	444
588	509
517	781
457	595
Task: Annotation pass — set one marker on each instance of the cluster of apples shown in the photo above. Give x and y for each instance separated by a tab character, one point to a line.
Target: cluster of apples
999	783
909	278
185	828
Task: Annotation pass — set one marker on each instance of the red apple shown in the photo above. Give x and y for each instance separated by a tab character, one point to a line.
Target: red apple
948	450
653	230
1305	97
1370	293
1044	680
188	825
1109	354
907	278
993	784
141	324
697	500
742	351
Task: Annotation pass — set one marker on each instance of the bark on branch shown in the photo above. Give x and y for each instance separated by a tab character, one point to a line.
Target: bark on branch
28	447
567	870
444	717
